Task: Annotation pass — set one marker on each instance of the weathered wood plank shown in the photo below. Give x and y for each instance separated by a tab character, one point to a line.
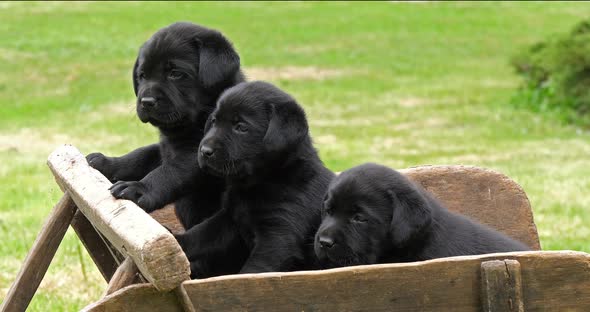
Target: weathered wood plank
127	274
559	280
130	229
39	257
501	286
104	255
484	195
137	298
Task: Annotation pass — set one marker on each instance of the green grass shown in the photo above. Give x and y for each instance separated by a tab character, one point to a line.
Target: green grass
410	84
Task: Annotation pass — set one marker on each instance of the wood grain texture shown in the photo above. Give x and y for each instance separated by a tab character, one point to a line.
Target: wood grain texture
104	255
484	195
39	257
501	286
127	227
558	281
137	298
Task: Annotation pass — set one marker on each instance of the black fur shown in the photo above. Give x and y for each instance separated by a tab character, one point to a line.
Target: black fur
178	76
373	214
258	140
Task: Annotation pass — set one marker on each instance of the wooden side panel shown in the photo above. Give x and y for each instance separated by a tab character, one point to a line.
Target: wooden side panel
559	280
484	195
137	298
127	227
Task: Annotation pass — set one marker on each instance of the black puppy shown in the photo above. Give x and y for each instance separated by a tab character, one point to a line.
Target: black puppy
374	214
178	76
258	140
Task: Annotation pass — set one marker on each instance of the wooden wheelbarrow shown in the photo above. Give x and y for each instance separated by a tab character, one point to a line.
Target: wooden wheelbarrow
146	269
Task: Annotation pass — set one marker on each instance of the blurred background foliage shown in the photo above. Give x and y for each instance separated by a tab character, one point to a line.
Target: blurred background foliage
556	74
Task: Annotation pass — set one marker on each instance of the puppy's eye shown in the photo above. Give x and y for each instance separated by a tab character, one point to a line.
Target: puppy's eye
213	120
359	218
329	210
176	74
240	127
141	75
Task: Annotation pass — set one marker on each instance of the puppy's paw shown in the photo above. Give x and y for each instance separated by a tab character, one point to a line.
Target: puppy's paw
101	163
134	191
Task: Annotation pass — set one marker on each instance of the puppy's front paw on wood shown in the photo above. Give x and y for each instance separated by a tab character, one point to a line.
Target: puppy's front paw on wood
101	163
134	191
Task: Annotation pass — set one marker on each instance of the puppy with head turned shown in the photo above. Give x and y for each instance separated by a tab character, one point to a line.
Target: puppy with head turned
178	75
258	141
374	214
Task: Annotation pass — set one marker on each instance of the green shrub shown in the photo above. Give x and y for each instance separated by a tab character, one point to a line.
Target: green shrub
557	75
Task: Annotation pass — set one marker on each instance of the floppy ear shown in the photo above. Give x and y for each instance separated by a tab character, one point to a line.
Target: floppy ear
135	67
412	214
287	126
134	73
218	61
208	124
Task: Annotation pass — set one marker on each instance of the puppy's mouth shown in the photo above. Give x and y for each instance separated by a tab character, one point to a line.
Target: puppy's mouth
334	258
343	260
167	120
218	172
220	169
164	119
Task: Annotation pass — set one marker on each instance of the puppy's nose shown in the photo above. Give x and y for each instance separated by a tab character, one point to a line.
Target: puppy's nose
326	242
148	102
206	151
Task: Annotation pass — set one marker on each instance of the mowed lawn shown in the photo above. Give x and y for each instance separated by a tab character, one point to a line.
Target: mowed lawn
402	84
